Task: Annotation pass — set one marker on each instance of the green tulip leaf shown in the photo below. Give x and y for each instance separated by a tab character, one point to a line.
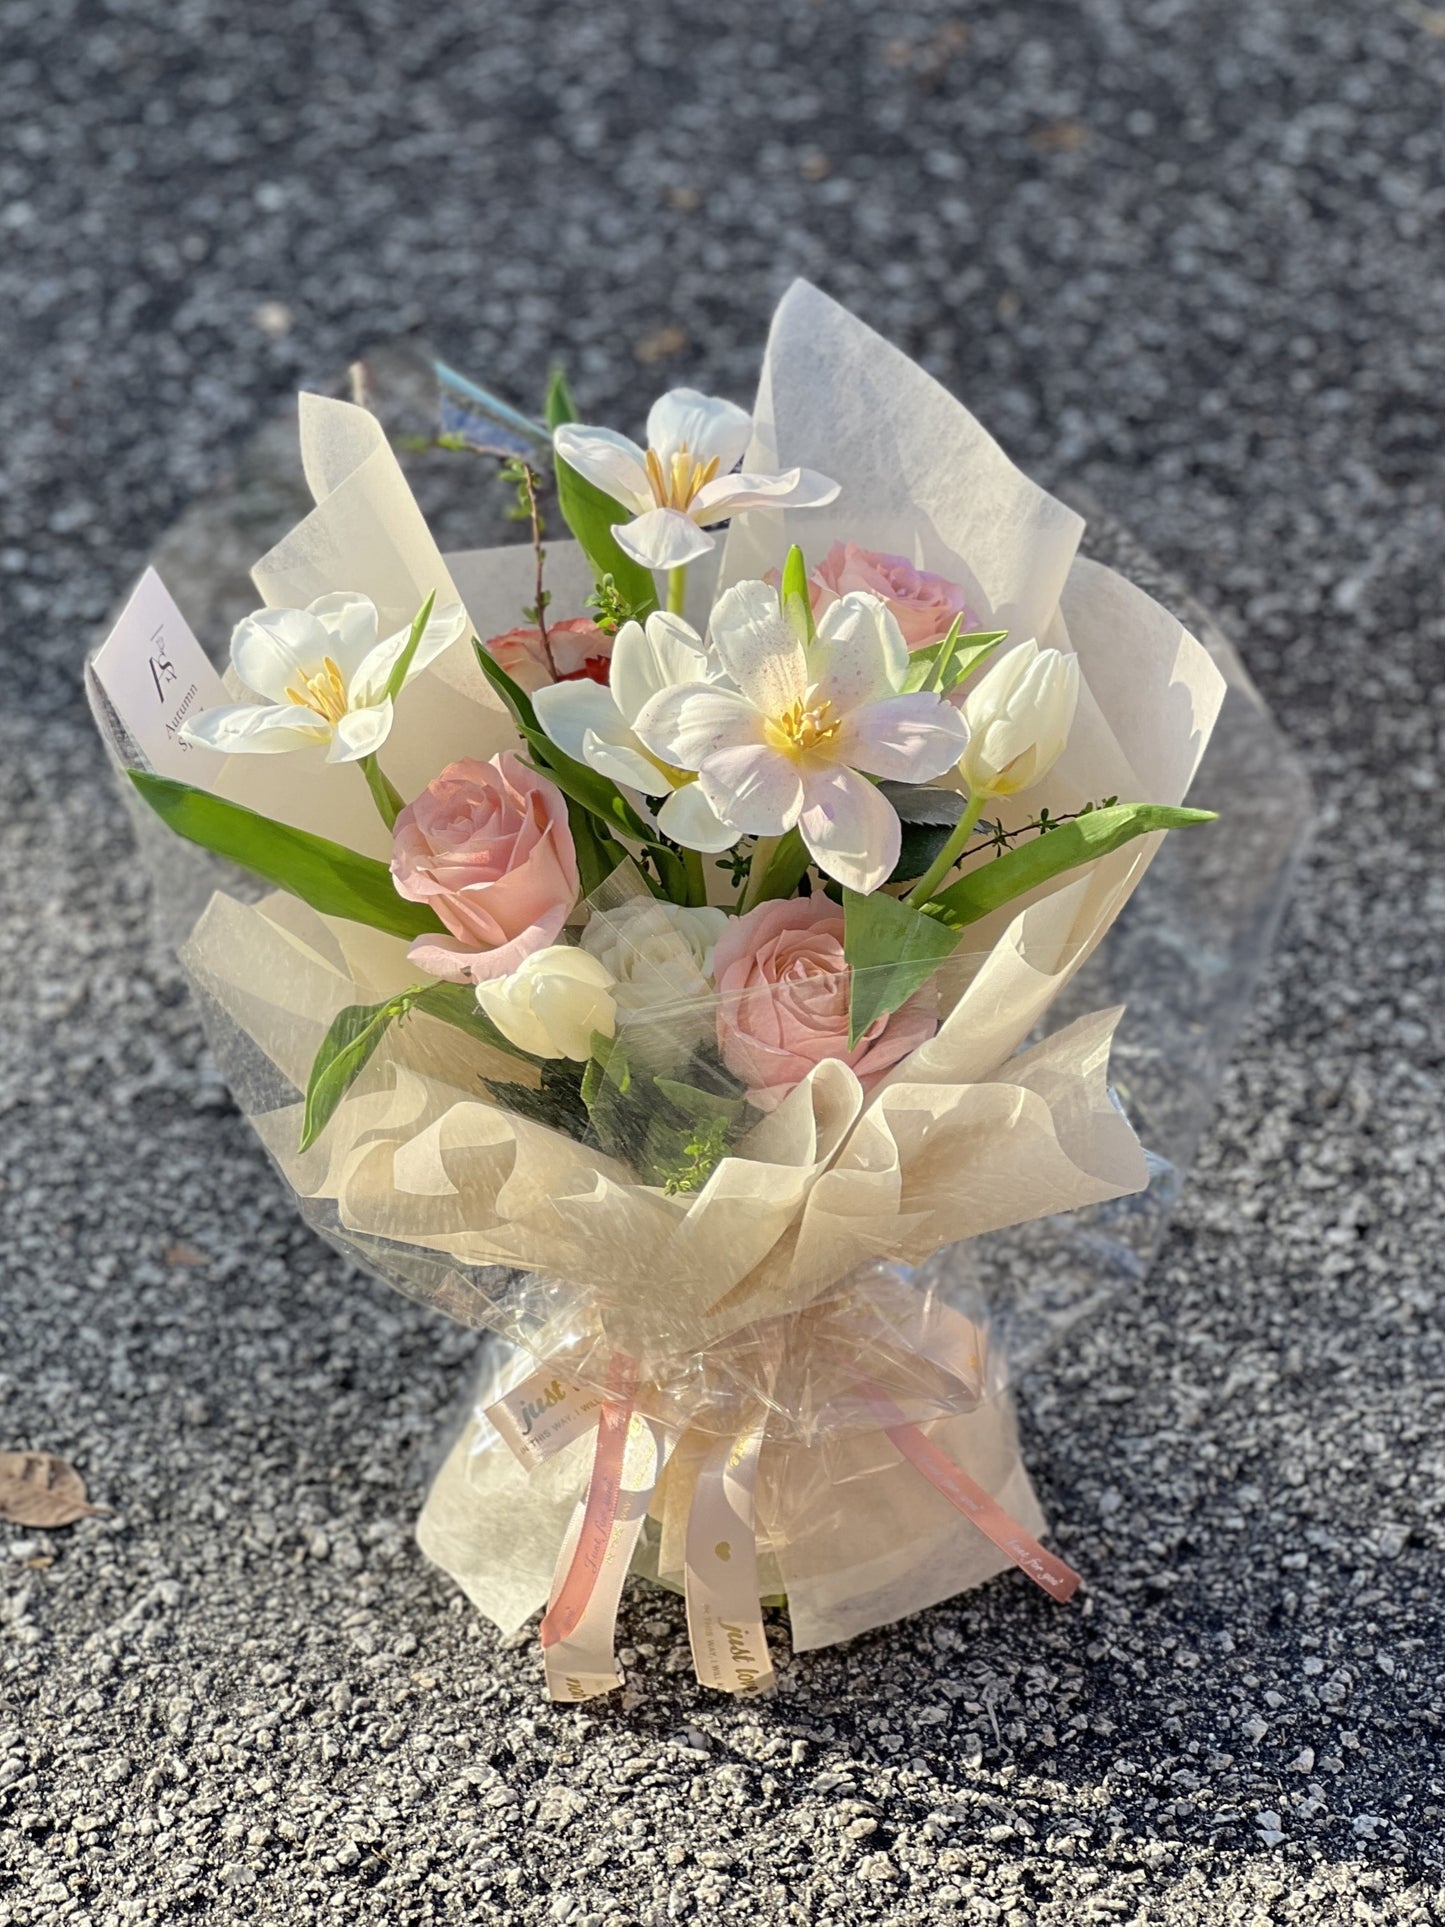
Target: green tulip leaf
1094	834
332	879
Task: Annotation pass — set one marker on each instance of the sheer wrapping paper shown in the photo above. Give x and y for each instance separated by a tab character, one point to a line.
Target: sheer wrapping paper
743	1311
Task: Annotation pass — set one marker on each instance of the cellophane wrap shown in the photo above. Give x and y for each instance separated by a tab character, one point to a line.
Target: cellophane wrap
770	1347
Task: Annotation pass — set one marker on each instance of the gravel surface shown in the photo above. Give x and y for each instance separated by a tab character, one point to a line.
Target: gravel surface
1183	251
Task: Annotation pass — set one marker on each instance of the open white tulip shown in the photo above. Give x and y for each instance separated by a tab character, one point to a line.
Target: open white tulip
596	725
323	674
786	745
1019	717
683	479
553	1003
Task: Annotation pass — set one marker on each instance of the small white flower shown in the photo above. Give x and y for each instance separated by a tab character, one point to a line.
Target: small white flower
595	724
660	957
786	745
553	1003
1019	717
683	478
323	675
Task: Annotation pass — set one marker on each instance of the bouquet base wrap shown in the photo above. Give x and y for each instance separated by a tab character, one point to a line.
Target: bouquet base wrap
883	1515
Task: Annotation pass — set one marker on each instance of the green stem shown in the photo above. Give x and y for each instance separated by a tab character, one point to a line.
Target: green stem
763	852
677	590
950	853
696	878
384	793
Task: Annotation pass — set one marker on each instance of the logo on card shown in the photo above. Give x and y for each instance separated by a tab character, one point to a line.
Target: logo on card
163	670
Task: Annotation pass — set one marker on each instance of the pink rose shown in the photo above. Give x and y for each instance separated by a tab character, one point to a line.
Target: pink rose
923	605
488	847
579	649
784	987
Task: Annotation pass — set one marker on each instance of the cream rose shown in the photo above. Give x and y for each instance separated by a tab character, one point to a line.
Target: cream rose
660	956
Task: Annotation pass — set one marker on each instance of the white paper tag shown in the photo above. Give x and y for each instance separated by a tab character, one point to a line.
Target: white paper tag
543	1414
156	677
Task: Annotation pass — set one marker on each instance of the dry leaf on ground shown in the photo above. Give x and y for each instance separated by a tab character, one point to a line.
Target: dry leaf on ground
37	1489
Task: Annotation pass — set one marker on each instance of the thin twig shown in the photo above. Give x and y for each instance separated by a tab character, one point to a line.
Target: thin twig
529	482
998	839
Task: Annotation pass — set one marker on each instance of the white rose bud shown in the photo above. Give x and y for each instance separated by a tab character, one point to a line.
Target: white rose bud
660	956
553	1003
1019	717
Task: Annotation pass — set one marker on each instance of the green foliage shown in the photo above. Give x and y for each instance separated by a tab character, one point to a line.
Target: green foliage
559	408
793	597
401	668
355	1032
944	665
613	608
1092	834
892	950
345	1052
558	1104
579	784
332	879
927	817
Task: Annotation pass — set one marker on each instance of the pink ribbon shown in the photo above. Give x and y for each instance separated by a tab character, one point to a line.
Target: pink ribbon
1058	1580
599	1515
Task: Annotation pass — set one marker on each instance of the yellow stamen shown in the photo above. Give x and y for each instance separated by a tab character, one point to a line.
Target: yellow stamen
324	693
677	486
800	730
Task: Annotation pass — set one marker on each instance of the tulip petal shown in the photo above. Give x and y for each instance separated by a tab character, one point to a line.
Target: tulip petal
624	763
850	828
755	789
859	655
704	425
911	739
255	729
443	627
666	654
662	539
360	732
689	819
278	648
757	647
350	621
684	727
608	460
729	495
570	711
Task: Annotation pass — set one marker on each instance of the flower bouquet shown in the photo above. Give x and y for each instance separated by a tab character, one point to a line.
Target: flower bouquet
663	986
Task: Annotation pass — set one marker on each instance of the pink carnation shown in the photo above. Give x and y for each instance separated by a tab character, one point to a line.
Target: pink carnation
488	847
579	649
923	605
784	986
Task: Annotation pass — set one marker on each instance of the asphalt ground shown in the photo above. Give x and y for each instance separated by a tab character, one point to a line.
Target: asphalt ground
1183	254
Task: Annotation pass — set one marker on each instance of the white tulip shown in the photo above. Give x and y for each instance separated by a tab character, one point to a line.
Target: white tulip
1019	717
660	956
796	732
683	481
553	1003
594	724
324	674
